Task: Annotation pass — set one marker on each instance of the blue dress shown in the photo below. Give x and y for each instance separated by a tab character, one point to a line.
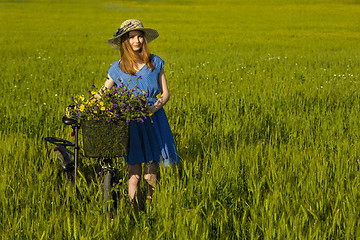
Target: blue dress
149	141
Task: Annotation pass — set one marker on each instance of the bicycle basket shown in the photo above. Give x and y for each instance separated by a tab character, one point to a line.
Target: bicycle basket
102	139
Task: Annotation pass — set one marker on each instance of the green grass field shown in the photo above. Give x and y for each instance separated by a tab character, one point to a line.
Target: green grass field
265	111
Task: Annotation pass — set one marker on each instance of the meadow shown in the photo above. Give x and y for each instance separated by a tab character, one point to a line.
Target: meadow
264	108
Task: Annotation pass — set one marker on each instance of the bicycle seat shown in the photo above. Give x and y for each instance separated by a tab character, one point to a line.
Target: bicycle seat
69	121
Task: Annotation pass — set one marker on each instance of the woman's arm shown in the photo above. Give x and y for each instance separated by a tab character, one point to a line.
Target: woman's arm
165	95
109	83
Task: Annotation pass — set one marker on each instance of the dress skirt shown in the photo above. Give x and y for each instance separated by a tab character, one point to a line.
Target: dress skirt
152	141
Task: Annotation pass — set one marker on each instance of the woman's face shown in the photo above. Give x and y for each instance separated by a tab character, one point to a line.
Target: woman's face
136	39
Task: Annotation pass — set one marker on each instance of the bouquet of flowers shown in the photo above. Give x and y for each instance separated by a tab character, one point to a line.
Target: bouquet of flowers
117	103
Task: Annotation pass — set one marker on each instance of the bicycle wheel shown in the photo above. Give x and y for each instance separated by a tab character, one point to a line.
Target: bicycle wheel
65	162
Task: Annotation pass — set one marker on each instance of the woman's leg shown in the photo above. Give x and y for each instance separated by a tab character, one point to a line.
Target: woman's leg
134	172
150	170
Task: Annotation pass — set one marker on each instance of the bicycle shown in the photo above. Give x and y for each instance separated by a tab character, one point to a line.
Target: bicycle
69	162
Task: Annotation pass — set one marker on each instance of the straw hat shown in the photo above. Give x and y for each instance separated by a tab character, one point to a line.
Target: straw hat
130	25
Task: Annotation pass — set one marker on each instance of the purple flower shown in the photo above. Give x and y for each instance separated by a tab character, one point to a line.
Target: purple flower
109	120
93	86
127	120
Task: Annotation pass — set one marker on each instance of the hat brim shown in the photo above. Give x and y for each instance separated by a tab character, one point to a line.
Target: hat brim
150	35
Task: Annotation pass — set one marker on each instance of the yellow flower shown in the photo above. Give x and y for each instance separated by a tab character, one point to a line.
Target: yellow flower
102	108
101	103
82	108
95	111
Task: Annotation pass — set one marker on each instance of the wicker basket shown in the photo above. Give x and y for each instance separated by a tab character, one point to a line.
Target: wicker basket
102	139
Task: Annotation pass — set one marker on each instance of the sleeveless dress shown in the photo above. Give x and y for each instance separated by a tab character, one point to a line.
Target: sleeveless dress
150	141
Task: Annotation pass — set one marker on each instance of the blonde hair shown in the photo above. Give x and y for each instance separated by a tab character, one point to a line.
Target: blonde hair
129	57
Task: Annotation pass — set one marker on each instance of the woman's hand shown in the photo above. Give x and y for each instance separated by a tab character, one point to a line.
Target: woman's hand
153	109
97	96
109	83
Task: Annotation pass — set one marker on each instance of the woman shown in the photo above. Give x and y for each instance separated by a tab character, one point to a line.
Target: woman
151	142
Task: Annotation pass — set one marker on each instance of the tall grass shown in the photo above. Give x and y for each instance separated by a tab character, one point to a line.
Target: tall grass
264	109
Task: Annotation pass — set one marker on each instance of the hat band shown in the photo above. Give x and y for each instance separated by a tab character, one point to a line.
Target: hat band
121	30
